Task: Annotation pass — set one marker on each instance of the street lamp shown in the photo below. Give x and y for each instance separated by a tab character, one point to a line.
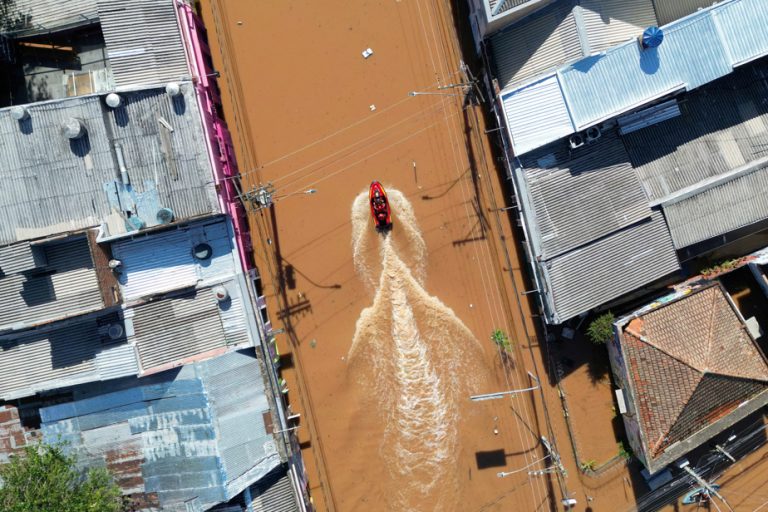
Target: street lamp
502	394
418	93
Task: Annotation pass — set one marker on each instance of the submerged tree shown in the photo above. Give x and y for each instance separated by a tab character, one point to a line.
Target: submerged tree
44	478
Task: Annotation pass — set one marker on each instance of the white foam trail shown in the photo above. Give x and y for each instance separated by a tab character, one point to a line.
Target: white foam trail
416	356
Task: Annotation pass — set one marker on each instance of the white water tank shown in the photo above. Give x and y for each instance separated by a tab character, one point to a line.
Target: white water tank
220	293
19	113
114	100
73	128
173	89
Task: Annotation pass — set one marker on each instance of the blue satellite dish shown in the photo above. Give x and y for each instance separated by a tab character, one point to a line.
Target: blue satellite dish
652	37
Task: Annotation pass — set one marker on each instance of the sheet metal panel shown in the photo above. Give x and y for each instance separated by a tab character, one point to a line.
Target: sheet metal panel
164	261
49	185
610	22
668	11
68	287
609	268
70	354
719	210
152	55
238	402
538	43
174	329
604	86
742	25
172	434
536	114
51	14
722	127
581	195
274	494
16	258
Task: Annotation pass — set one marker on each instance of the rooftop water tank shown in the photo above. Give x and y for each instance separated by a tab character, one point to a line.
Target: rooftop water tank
73	128
652	37
19	113
114	100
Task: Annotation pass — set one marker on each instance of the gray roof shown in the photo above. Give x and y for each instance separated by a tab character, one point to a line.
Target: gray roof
565	32
49	281
41	15
719	209
537	43
188	325
196	432
152	55
191	325
49	184
274	493
581	195
63	354
608	268
722	126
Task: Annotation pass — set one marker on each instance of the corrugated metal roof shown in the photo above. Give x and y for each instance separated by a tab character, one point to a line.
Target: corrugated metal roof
164	261
274	493
610	22
540	42
670	10
171	429
65	286
174	329
608	268
50	185
76	352
152	55
508	4
17	258
581	195
536	114
696	50
719	210
50	14
721	127
600	87
237	402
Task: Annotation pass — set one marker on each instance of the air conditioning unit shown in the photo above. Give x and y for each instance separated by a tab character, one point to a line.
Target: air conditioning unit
575	141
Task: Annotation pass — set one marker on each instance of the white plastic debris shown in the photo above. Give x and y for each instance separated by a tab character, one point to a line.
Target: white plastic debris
367	53
372	107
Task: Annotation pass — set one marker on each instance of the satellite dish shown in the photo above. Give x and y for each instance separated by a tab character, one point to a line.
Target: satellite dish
220	293
19	113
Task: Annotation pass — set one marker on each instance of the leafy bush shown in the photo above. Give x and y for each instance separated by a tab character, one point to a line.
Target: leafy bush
587	465
43	478
600	330
624	452
500	338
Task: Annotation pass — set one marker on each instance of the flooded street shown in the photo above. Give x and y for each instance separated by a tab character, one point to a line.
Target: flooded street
387	336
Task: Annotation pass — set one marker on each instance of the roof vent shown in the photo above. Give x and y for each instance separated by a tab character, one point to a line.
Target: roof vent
19	113
220	293
652	37
135	223
164	215
115	331
575	141
173	89
114	100
73	128
115	264
202	251
593	133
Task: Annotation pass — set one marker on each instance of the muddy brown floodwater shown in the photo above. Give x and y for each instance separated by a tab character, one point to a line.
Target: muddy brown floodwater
388	335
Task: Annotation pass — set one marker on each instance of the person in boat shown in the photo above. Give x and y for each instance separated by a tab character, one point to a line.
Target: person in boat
380	206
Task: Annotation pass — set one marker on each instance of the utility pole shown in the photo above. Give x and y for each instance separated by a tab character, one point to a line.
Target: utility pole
686	467
259	197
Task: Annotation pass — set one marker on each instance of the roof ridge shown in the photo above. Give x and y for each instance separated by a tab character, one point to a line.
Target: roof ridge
665	434
648	342
710	331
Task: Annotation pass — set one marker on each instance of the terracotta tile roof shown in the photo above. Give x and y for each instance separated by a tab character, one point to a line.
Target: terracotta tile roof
691	362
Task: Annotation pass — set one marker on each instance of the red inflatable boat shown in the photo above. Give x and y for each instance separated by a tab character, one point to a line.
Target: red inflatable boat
380	211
